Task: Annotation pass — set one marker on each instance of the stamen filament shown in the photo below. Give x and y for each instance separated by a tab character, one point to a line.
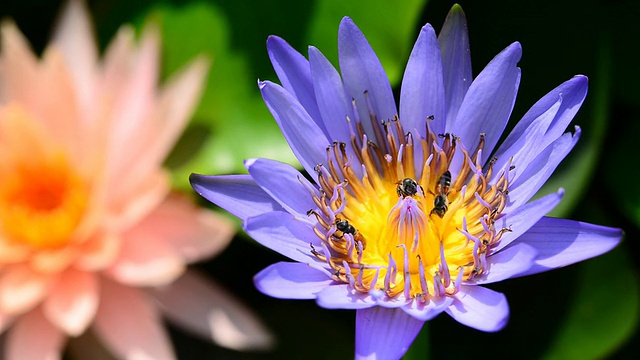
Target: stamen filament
391	220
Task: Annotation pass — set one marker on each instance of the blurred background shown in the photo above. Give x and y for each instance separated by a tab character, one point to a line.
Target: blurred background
586	311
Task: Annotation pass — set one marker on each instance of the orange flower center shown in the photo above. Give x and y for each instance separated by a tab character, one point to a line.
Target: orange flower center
42	198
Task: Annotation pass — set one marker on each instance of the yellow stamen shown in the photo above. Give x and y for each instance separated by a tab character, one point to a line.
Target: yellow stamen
403	227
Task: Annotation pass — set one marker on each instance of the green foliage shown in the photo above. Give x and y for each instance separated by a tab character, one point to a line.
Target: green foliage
599	319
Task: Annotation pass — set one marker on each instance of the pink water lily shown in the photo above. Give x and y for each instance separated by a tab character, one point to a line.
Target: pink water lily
90	235
411	209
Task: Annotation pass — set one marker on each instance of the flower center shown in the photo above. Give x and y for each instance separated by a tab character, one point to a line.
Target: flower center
406	226
42	198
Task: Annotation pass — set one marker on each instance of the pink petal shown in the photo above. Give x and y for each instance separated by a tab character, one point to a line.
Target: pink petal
177	102
73	37
98	252
146	259
53	261
19	66
169	117
129	325
6	320
117	58
73	301
12	253
21	288
32	337
23	139
209	311
155	250
44	88
134	86
55	105
129	210
193	233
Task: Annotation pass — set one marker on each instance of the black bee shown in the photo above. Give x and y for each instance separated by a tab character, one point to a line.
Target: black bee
345	227
407	187
440	201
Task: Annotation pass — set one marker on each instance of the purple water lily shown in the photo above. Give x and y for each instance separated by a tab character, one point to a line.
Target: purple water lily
408	213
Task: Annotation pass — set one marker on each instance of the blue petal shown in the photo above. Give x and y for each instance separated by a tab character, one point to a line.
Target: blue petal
384	333
287	280
334	104
480	308
392	302
561	242
362	72
526	183
281	232
508	263
489	101
306	139
294	74
422	93
456	60
428	311
343	297
567	98
528	146
524	217
238	194
285	184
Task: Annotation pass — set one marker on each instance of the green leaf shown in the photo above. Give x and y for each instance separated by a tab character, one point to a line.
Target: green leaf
605	310
231	123
389	27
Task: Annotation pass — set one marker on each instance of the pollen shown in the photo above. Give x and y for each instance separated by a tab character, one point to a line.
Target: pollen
42	198
404	221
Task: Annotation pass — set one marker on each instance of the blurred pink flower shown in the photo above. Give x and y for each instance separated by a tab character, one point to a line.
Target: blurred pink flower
89	234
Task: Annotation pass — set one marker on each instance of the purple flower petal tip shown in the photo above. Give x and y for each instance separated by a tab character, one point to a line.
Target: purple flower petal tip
561	242
291	281
274	40
480	308
347	21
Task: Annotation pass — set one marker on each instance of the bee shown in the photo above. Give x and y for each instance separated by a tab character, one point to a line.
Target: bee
346	228
408	187
440	201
